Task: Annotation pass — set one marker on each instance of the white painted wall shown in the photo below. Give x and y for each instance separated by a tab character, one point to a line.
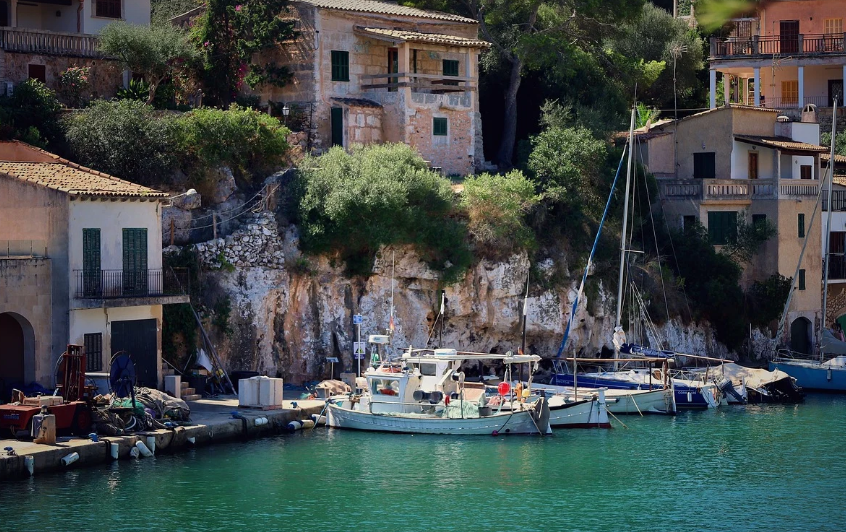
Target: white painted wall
798	161
64	22
111	217
740	161
29	16
92	321
134	12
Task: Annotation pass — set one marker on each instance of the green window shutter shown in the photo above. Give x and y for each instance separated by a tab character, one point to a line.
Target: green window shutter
340	65
801	228
801	279
440	127
134	261
722	227
337	120
91	262
450	67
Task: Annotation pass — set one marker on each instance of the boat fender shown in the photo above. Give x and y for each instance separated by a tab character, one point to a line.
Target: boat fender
446	400
455	396
308	424
114	448
143	449
134	452
29	463
295	425
69	459
151	444
828	374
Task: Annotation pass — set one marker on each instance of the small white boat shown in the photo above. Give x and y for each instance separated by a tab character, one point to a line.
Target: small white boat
622	402
424	392
566	412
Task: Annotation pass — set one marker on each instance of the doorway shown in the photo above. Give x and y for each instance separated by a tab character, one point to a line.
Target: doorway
835	91
393	68
138	338
11	354
800	336
789	36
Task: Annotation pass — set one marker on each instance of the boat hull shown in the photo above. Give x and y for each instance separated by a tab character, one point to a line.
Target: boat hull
522	422
688	397
812	375
584	414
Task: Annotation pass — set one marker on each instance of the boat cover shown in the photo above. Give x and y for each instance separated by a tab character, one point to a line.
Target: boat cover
755	378
831	345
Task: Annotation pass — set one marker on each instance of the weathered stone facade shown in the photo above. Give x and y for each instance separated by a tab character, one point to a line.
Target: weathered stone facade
257	243
105	78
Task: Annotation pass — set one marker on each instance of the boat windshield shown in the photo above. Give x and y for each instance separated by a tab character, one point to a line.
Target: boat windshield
384	387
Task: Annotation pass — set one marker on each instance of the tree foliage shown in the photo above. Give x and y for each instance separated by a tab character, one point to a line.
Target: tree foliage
566	163
497	206
748	240
229	33
350	204
156	52
161	11
31	114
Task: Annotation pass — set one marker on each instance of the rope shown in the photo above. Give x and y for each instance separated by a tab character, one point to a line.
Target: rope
617	419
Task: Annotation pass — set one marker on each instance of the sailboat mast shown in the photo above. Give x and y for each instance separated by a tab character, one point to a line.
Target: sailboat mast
828	224
623	233
525	316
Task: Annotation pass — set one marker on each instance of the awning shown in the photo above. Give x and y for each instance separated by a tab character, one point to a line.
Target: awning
785	144
401	36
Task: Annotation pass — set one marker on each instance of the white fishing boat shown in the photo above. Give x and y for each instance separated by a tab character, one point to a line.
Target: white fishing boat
424	392
659	400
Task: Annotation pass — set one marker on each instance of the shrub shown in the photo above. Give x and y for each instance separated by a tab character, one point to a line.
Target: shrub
73	83
243	139
566	163
124	138
766	298
350	204
497	206
32	113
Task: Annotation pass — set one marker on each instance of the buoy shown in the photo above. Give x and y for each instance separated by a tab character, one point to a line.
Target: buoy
134	452
143	449
29	462
319	420
114	449
295	425
308	424
69	459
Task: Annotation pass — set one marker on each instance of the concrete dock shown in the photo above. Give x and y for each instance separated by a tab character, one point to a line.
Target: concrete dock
211	421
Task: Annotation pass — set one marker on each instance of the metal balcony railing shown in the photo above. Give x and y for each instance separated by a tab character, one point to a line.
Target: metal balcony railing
113	284
770	45
838	201
836	267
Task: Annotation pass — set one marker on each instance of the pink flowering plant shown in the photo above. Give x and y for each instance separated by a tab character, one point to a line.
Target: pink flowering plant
74	84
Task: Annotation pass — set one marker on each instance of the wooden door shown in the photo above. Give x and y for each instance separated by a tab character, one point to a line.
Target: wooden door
789	36
753	165
139	339
337	123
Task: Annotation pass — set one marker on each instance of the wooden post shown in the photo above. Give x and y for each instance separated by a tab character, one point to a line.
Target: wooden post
214	225
171	231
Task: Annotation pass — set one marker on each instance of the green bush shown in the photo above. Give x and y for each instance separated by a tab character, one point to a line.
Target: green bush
124	138
497	207
245	140
566	163
31	114
350	204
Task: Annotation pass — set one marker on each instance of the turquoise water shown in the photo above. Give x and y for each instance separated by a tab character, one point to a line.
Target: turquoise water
736	468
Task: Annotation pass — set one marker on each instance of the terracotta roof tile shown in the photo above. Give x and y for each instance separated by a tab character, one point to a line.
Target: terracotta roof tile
838	159
74	179
414	36
385	8
780	143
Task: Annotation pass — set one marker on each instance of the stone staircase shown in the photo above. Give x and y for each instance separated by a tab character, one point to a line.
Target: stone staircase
186	393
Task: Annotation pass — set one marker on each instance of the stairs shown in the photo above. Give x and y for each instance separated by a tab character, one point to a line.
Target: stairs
189	394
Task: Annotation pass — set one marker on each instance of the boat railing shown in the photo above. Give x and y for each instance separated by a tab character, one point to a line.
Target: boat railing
787	354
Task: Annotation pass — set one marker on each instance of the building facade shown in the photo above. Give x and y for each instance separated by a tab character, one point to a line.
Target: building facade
784	55
41	39
367	72
735	165
80	263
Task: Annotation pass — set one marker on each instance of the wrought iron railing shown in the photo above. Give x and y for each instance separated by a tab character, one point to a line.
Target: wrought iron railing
838	200
836	267
799	44
111	284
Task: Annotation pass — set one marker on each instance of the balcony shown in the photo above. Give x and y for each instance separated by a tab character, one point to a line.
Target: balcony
836	267
419	83
118	288
838	201
48	42
737	190
767	46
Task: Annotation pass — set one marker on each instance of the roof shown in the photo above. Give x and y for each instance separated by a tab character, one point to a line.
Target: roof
780	143
838	159
60	174
385	8
418	37
358	102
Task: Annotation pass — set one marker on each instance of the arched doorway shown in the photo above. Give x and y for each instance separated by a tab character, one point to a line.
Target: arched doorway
800	336
12	352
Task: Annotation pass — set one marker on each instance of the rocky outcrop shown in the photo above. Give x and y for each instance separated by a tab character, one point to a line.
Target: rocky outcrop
288	314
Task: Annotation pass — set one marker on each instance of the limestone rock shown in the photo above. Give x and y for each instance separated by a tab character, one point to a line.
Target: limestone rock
224	185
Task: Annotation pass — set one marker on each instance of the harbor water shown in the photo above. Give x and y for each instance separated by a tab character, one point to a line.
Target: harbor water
772	467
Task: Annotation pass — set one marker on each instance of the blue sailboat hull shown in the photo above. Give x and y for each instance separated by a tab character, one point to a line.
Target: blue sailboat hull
810	376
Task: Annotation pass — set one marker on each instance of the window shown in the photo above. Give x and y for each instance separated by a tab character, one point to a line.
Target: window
688	222
337	123
801	279
722	227
790	92
108	8
801	225
753	165
704	165
805	171
91	276
340	66
450	69
759	220
93	351
429	370
833	34
439	127
38	72
833	25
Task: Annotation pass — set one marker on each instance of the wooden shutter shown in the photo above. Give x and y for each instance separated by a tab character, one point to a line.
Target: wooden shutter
801	225
91	284
450	69
340	65
134	261
440	127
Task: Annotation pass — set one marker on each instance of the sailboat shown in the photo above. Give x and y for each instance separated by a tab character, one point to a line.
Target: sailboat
638	393
822	373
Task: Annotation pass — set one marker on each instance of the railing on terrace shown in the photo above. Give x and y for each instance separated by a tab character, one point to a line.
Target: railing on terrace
836	267
23	248
727	189
838	200
742	189
49	42
112	284
769	45
426	83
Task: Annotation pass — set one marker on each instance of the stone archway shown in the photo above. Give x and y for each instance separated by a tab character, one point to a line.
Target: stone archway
801	336
17	351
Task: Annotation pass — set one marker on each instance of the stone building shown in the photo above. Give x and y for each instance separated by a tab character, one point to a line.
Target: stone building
366	71
40	39
737	163
80	263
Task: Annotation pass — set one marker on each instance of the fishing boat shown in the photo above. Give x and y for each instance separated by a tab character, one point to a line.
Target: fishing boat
658	400
425	392
566	411
827	371
743	385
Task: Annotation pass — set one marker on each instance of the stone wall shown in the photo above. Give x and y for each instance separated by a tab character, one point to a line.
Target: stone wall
106	76
455	152
256	244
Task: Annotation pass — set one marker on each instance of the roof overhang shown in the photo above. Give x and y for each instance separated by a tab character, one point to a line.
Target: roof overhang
397	37
784	144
